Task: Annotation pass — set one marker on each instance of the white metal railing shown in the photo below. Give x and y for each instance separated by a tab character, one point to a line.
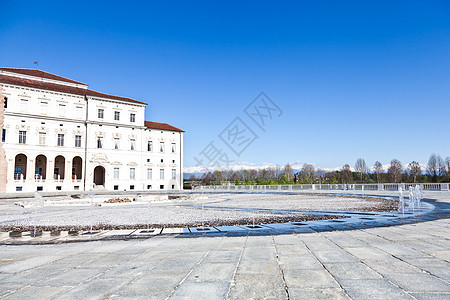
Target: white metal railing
19	176
328	187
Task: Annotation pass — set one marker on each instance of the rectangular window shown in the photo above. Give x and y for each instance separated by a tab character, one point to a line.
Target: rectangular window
132	173
174	173
161	174
44	107
78	141
3	135
22	137
62	109
149	173
116	187
161	147
99	142
60	140
116	115
42	136
173	147
132	144
79	110
100	113
116	173
132	118
149	146
24	105
6	102
116	143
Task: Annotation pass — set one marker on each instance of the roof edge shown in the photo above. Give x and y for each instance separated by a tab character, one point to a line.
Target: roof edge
161	126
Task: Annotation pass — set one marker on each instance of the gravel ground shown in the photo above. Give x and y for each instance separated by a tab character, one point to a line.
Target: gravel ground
303	201
141	215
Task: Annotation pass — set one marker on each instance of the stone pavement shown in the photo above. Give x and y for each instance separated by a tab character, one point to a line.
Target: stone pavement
398	262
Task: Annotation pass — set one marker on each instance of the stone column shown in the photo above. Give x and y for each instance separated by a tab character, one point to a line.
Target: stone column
68	172
10	177
30	171
3	162
50	170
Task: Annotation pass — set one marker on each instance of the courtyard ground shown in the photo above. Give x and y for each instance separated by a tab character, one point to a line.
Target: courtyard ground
396	262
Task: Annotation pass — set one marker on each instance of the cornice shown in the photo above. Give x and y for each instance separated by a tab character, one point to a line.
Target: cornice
42	117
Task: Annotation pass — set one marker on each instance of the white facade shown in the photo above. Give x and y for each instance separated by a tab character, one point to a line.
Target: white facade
57	137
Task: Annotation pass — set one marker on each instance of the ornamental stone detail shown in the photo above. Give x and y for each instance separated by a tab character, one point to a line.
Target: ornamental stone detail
99	158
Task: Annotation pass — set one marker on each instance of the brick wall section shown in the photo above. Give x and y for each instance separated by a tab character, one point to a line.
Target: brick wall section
3	163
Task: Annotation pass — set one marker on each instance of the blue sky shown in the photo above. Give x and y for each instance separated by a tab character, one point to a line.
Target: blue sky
353	79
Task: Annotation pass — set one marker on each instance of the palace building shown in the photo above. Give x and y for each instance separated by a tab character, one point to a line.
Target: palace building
58	135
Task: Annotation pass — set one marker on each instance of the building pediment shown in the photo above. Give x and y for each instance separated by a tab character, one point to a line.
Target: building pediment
100	133
22	127
60	131
78	132
41	129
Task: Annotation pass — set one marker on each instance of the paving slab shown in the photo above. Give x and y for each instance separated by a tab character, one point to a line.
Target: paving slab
33	292
431	296
152	284
351	271
372	289
257	287
334	256
212	272
269	268
419	282
317	294
201	291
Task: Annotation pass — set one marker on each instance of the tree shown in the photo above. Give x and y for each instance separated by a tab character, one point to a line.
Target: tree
288	171
432	167
206	178
447	163
320	174
361	167
441	166
234	176
218	177
378	168
395	170
264	174
414	170
307	173
346	175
